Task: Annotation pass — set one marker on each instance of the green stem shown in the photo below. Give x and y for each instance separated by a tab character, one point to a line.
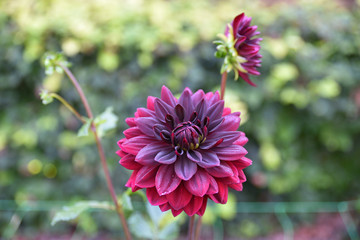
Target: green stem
68	106
100	150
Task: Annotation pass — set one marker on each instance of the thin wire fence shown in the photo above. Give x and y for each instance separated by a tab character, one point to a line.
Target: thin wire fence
279	209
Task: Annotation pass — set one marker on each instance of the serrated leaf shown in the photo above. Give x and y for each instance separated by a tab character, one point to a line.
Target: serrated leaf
140	227
84	130
105	122
71	212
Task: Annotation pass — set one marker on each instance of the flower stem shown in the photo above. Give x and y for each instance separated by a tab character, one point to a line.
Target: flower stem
223	85
198	228
68	106
191	228
100	150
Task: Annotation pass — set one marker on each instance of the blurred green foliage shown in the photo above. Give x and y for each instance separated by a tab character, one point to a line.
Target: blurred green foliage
301	120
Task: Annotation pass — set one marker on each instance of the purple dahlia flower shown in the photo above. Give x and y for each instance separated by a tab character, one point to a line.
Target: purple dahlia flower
246	46
184	151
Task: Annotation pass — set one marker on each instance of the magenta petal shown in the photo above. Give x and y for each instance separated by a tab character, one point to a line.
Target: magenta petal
203	207
197	96
167	96
231	122
198	185
162	109
224	170
146	155
228	137
176	212
130	122
145	178
213	186
150	103
166	180
222	195
194	155
146	124
185	101
128	162
185	168
131	182
164	207
166	156
236	186
242	163
154	198
215	111
144	112
132	132
209	159
231	153
193	206
179	198
135	144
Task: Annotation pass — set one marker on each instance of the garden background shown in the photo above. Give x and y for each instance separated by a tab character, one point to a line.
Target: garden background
302	120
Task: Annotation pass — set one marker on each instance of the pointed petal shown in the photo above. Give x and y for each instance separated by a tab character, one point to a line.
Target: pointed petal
222	195
128	162
176	212
209	159
146	124
150	103
135	144
166	156
186	102
164	207
194	156
162	109
179	198
154	198
185	168
193	206
203	207
132	132
213	186
197	96
166	180
231	153
231	122
167	96
228	137
130	122
131	182
224	170
215	111
144	112
198	185
146	176
242	163
146	155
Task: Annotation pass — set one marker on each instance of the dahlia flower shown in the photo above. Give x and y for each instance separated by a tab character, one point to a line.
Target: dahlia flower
240	49
184	151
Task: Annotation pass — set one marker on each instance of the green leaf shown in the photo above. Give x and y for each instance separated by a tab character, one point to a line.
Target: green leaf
71	212
140	227
84	130
126	202
171	231
46	97
155	213
105	122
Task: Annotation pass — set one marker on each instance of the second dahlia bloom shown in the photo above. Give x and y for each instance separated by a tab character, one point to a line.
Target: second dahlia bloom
246	45
184	151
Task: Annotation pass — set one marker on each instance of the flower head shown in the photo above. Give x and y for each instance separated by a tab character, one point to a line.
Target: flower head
240	49
184	151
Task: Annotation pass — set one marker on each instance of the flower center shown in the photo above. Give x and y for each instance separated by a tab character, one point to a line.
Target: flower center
186	136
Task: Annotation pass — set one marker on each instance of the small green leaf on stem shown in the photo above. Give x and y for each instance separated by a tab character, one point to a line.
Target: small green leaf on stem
105	122
46	97
52	60
71	212
84	130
